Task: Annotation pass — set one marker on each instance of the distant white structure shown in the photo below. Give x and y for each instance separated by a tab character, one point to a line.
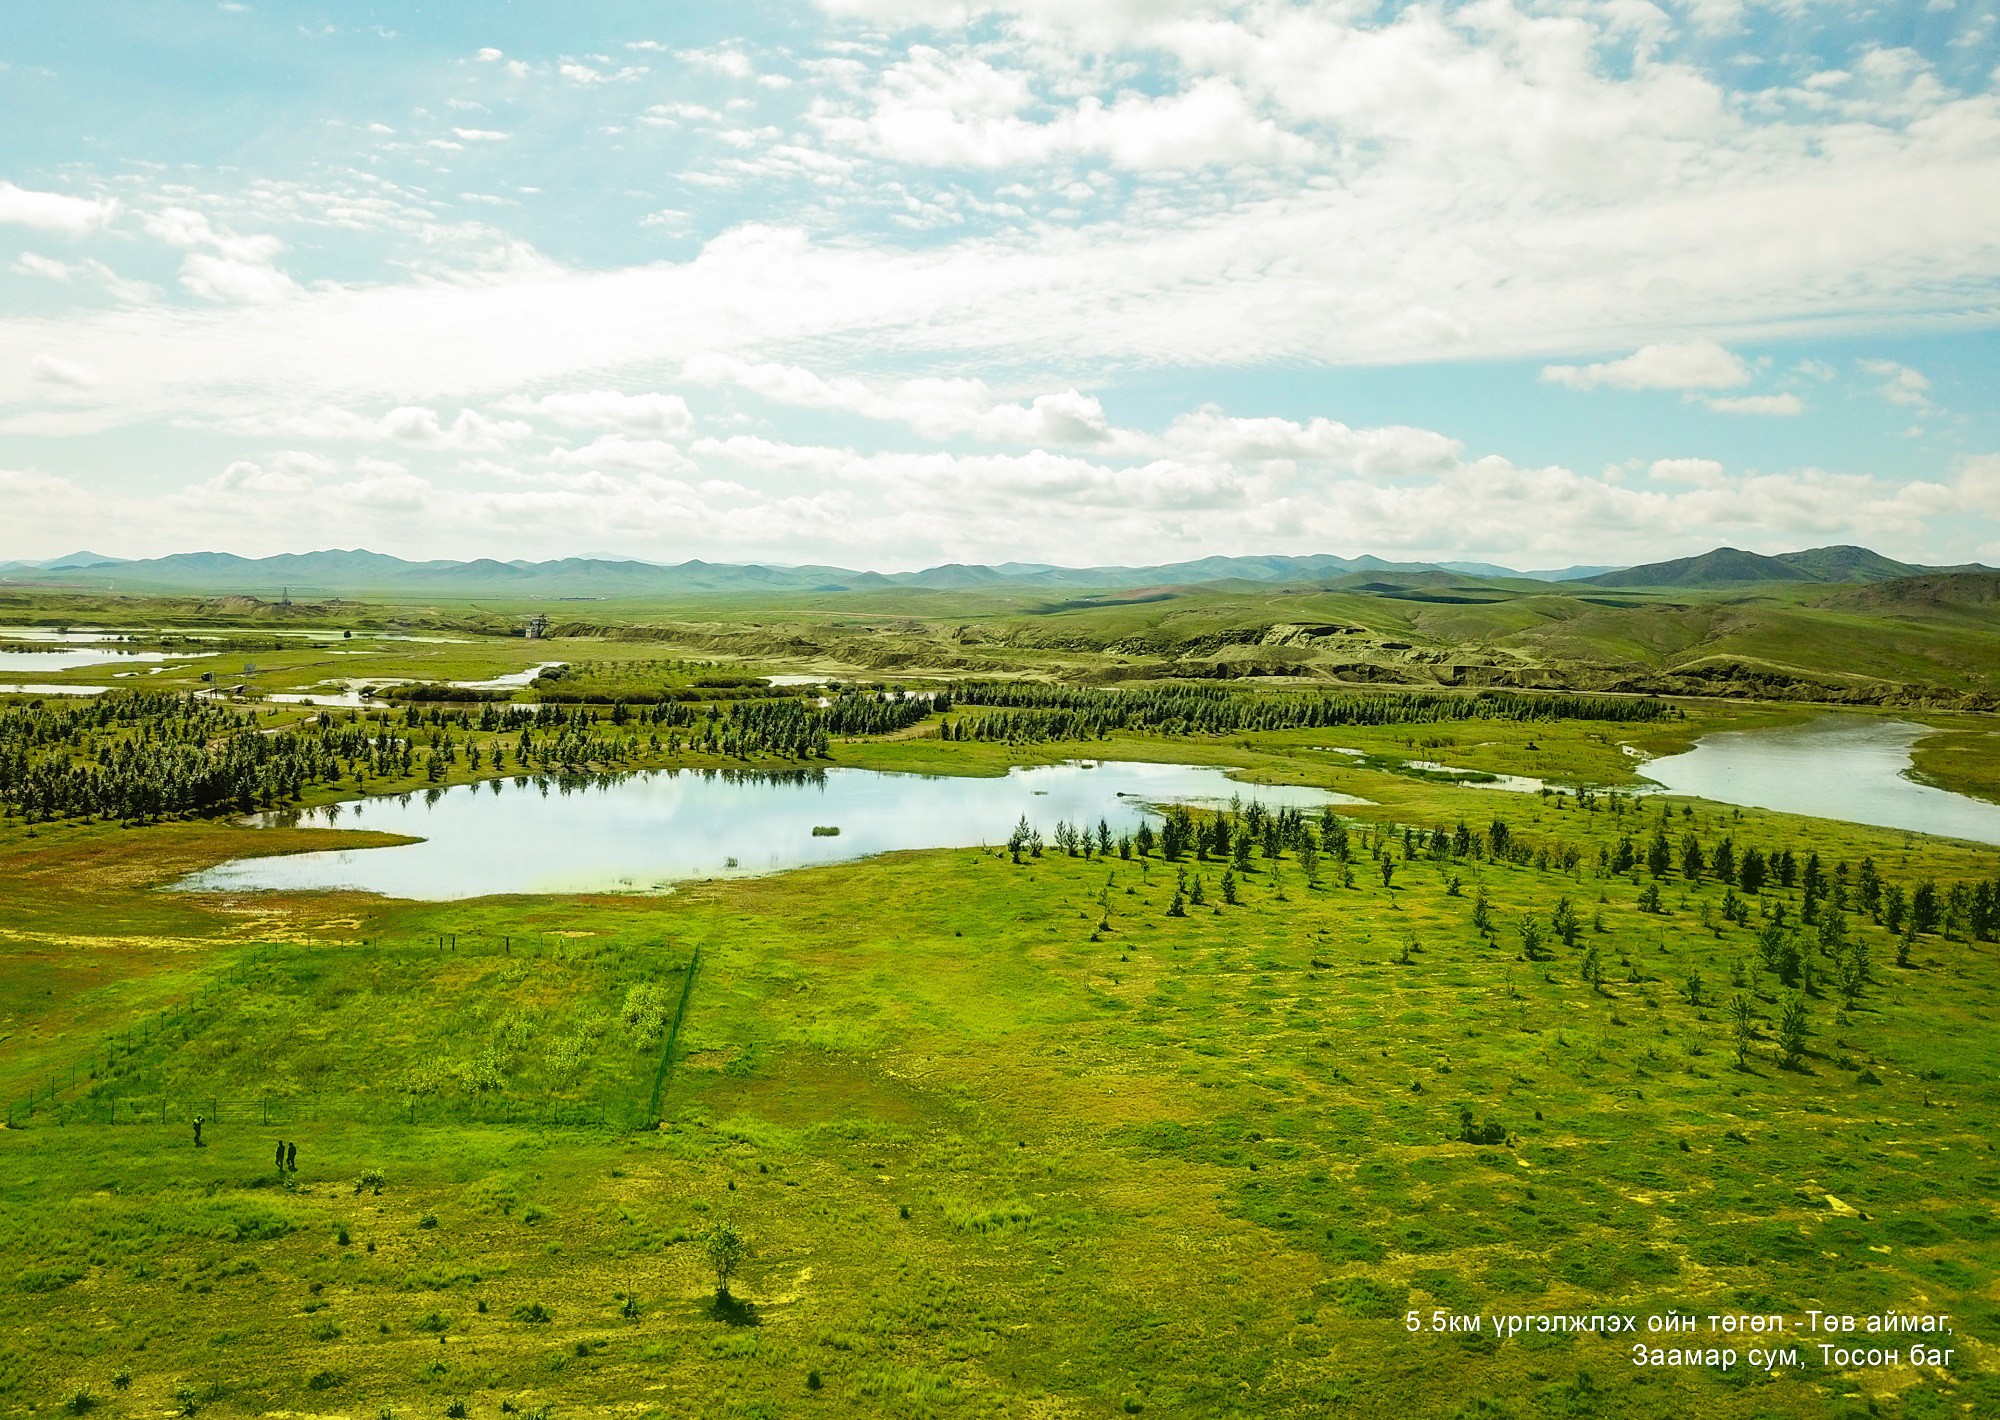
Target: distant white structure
537	628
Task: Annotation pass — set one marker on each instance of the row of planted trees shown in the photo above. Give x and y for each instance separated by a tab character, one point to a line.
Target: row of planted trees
1829	897
1968	909
1028	711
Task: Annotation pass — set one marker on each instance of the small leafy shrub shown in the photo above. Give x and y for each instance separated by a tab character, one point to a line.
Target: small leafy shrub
644	1014
325	1380
533	1312
80	1402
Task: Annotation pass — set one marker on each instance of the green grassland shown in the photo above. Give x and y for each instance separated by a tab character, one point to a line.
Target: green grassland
1004	1138
1922	641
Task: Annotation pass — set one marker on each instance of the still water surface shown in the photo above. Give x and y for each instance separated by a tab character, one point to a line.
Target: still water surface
77	658
1840	767
645	831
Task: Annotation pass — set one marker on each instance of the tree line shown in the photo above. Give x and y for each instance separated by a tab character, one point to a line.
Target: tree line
1027	711
136	756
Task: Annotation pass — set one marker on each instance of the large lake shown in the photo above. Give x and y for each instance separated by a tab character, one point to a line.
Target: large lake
645	831
1840	767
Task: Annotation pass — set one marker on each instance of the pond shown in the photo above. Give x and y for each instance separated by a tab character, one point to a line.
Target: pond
50	633
1838	767
75	658
644	832
347	694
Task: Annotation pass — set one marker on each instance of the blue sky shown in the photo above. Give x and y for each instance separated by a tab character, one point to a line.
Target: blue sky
890	282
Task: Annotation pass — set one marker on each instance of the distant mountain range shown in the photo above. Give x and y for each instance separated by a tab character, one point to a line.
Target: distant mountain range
1729	566
312	574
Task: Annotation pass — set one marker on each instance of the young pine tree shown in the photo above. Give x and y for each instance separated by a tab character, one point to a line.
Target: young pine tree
1742	1026
1793	1030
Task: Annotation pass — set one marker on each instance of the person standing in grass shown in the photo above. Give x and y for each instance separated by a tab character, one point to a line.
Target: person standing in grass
292	1157
197	1131
281	1156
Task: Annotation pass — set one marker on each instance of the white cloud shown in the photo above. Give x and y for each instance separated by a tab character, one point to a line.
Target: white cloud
88	270
1901	385
1069	508
580	73
935	408
1683	365
1291	282
31	264
1395	451
489	56
229	281
1777	404
1083	193
633	413
721	60
414	425
221	265
1296	487
615	451
54	211
958	110
470	430
1706	473
480	135
243	476
666	115
49	370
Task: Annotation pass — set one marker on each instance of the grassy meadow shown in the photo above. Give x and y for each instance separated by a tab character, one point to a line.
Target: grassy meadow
1069	1136
1924	642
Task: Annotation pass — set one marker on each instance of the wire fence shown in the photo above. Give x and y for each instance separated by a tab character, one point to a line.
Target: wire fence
222	1115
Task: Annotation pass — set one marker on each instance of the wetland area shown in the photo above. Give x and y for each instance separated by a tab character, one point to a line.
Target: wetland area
1379	1002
